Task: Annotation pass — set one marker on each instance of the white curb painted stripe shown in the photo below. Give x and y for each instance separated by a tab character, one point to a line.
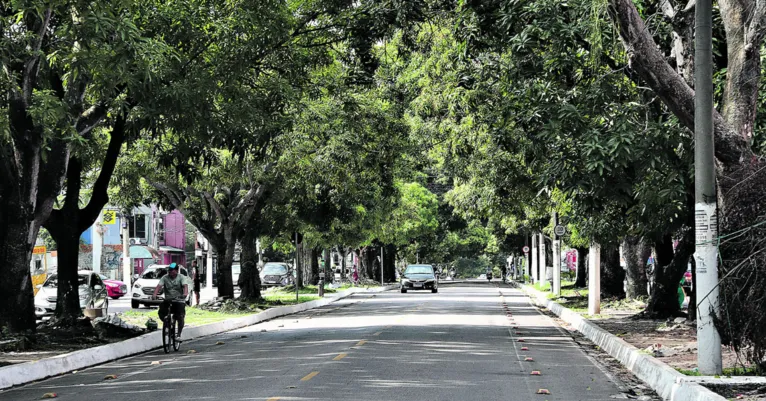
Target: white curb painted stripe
27	372
666	381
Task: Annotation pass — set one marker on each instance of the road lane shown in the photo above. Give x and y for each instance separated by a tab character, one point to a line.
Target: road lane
459	344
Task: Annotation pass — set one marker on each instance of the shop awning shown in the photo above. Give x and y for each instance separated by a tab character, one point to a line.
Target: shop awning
171	249
143	252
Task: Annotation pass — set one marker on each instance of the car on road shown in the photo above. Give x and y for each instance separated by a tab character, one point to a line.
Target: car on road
275	274
419	277
115	289
482	277
91	288
143	288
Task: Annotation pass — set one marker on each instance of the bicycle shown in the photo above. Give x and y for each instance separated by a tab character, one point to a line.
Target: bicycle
169	328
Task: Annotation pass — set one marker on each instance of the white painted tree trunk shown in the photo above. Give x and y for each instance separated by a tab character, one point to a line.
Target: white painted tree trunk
594	279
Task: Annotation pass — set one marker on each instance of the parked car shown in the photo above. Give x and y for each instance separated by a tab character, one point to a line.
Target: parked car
482	276
115	289
275	274
419	277
91	288
143	288
236	268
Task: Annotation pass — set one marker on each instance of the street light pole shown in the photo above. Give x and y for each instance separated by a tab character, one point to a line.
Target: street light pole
705	209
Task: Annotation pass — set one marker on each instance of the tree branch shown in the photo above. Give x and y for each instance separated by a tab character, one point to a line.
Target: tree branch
100	196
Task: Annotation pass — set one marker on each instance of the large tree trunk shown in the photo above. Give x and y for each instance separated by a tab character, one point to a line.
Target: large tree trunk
225	251
648	60
314	263
669	269
582	275
343	254
636	252
17	308
612	274
249	277
329	274
389	264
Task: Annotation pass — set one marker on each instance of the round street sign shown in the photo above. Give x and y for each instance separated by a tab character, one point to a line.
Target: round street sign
525	249
559	230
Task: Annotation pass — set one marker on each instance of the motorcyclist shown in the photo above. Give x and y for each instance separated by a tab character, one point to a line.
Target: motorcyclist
176	288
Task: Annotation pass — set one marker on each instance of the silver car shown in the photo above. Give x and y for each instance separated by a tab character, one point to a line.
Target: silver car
275	274
91	289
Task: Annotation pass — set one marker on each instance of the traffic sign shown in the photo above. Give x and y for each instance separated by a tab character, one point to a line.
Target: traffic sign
525	249
559	230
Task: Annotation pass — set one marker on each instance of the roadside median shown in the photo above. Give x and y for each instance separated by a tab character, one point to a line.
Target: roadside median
23	373
666	381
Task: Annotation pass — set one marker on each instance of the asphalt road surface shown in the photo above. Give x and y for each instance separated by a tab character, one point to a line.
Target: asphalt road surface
460	344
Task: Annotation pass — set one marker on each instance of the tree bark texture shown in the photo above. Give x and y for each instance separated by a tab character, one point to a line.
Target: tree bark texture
314	263
389	264
343	254
669	269
249	277
612	274
582	275
299	265
329	274
636	252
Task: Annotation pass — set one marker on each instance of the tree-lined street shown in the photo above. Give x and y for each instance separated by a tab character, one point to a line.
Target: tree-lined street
458	344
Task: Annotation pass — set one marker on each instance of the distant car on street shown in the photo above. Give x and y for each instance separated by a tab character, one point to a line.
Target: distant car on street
275	274
482	277
143	288
419	277
115	289
91	289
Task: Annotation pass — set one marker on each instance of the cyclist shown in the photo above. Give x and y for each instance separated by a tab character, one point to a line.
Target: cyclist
176	288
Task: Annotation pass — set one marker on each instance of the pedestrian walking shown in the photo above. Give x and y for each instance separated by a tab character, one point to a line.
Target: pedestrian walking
196	279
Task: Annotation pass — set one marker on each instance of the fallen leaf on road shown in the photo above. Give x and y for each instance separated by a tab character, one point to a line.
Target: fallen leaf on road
535	373
263	330
242	336
156	362
74	371
110	377
191	351
521	340
524	349
290	386
543	391
528	360
49	395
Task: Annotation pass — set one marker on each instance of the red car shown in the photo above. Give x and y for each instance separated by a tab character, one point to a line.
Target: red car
114	288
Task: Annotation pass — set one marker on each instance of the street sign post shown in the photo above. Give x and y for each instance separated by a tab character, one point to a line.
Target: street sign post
560	230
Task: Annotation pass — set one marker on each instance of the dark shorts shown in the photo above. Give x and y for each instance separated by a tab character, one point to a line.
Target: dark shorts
179	309
196	286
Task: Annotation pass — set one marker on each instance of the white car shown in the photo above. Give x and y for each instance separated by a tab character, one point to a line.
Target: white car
91	289
482	277
144	287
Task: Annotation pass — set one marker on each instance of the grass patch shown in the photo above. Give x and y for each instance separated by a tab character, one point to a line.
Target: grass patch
727	372
194	316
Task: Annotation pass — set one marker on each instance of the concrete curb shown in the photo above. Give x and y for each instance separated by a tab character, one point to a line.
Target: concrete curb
23	373
666	381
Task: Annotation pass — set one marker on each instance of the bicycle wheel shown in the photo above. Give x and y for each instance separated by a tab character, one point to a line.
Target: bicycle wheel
166	335
176	344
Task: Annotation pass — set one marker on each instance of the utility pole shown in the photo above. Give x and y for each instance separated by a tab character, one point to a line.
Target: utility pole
534	273
127	275
556	257
541	259
705	209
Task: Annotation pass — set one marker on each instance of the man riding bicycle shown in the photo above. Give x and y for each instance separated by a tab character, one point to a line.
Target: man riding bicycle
176	288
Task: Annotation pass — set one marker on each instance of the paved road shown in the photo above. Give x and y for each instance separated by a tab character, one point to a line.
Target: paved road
459	344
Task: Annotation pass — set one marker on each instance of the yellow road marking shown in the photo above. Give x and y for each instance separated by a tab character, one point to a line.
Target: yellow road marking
361	342
309	376
378	333
340	356
273	399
